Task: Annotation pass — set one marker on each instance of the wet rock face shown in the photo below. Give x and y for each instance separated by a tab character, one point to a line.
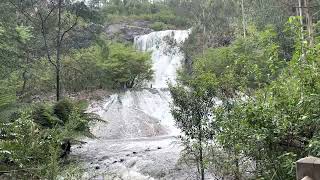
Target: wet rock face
82	37
126	31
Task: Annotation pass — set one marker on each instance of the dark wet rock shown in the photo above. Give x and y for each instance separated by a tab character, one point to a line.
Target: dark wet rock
66	148
134	152
161	174
121	160
131	164
114	162
126	31
159	147
97	167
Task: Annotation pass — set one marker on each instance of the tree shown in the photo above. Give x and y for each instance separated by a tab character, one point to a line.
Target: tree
243	18
54	19
213	25
235	72
126	66
267	110
191	111
213	19
12	64
304	11
278	125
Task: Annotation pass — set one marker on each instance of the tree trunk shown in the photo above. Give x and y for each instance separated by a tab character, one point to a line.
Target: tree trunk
301	29
201	152
301	17
24	77
58	48
201	161
309	21
243	19
58	84
204	32
237	173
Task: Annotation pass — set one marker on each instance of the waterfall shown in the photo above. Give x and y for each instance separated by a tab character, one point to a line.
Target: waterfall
145	112
166	54
139	140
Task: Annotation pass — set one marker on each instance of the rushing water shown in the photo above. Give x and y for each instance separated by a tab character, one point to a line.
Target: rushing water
139	142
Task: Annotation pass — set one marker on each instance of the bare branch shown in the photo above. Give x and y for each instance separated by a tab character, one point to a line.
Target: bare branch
69	29
48	15
44	36
23	12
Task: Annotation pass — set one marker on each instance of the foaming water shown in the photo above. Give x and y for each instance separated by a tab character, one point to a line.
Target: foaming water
166	54
137	113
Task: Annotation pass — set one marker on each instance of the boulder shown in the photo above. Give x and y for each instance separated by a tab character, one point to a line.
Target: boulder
126	31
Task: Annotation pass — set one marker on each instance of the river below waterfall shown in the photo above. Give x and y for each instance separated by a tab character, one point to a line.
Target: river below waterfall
140	139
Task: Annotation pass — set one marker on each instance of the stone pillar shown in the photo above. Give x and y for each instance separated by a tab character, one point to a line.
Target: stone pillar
308	168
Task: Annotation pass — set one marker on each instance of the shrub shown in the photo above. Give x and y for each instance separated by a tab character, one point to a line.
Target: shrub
32	145
158	26
122	66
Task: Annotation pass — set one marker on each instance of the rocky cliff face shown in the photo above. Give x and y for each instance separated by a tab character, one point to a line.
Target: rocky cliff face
126	31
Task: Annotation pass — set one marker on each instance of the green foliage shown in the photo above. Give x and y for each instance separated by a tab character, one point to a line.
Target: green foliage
106	65
7	96
191	110
11	40
246	64
144	10
11	65
30	146
158	26
128	67
269	108
43	116
63	109
279	124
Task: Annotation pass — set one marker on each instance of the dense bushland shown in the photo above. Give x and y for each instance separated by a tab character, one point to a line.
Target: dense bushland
162	14
247	100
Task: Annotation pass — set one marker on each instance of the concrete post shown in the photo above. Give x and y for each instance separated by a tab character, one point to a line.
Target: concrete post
308	168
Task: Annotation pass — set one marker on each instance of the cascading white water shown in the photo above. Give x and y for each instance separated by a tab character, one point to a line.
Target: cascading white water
146	112
138	141
166	54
